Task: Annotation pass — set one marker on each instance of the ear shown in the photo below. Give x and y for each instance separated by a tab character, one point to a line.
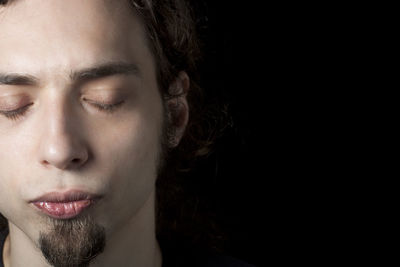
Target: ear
178	108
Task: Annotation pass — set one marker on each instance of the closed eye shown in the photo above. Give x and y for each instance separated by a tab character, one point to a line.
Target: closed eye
109	108
20	112
16	113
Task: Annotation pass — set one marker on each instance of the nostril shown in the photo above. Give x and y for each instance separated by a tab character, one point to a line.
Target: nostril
76	160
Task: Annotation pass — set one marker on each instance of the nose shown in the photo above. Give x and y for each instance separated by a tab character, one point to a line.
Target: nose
62	144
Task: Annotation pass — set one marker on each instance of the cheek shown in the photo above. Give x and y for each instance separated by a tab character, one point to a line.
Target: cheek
11	163
11	169
131	159
129	149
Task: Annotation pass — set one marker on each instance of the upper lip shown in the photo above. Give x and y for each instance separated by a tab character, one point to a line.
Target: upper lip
68	196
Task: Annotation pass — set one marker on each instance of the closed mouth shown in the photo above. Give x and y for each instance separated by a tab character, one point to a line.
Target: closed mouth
64	205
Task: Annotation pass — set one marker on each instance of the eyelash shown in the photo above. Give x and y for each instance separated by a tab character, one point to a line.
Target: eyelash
20	112
108	108
16	113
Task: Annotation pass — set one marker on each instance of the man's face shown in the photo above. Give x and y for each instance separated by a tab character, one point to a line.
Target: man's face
58	135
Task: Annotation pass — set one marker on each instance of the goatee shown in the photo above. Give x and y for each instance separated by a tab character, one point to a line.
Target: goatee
72	242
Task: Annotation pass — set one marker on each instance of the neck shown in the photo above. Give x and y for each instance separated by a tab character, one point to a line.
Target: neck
134	244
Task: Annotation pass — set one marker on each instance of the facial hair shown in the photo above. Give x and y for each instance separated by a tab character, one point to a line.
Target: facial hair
76	242
73	242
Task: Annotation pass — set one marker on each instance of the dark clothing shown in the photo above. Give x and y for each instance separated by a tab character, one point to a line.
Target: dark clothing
175	257
3	235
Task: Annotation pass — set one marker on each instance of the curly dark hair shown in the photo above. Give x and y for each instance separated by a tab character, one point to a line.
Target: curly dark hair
172	34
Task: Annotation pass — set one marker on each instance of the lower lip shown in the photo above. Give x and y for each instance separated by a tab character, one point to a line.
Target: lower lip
63	210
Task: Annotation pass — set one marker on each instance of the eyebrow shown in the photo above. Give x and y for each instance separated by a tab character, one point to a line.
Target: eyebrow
83	75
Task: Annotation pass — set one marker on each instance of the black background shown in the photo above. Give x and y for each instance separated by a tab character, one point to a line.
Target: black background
279	174
239	164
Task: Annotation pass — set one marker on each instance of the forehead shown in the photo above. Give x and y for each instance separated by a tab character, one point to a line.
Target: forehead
52	35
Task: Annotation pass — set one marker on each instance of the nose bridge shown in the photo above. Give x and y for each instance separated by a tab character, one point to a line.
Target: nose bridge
62	145
58	114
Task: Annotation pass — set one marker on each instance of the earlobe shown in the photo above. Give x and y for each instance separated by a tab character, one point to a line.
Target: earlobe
178	107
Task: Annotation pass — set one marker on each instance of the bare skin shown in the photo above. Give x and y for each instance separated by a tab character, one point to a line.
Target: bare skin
63	141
